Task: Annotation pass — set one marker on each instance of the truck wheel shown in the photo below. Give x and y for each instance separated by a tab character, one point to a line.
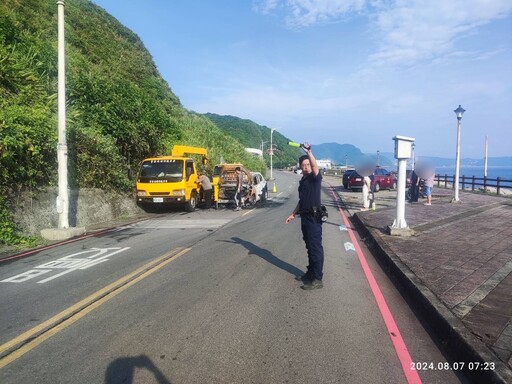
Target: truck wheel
377	187
192	203
394	185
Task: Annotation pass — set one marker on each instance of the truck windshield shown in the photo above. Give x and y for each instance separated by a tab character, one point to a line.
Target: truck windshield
159	171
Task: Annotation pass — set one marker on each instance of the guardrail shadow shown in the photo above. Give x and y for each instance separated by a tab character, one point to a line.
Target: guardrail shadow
268	256
121	370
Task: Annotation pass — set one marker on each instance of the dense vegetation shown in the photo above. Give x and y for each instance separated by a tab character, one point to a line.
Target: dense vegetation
253	135
119	109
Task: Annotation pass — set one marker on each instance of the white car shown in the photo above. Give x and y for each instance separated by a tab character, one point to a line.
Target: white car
259	188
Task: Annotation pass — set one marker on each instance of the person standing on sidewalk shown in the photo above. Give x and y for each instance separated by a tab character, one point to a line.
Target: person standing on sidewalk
311	224
207	189
429	185
414	188
367	187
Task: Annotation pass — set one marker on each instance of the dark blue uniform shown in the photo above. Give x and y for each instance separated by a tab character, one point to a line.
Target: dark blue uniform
311	224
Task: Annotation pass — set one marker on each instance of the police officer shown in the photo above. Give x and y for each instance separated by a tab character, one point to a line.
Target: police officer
311	224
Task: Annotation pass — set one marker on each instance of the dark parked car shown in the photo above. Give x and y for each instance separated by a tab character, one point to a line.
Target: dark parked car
381	179
346	175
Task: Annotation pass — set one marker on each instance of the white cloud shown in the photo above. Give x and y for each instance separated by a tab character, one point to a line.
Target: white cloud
305	13
265	6
406	31
412	31
308	12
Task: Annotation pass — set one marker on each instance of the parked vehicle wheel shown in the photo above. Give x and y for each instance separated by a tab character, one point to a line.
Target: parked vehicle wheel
394	185
192	203
376	188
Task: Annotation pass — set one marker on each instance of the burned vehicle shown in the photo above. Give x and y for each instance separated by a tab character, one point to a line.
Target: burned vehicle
254	187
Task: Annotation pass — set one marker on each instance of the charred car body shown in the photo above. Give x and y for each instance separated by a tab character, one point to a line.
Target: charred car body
254	185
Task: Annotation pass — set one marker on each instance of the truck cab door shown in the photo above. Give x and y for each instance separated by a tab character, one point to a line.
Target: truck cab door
189	169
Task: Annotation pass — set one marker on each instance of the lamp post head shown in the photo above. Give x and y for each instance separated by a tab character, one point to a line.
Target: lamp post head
459	112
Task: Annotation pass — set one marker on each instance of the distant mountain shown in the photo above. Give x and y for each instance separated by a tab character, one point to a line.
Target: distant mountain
341	154
348	154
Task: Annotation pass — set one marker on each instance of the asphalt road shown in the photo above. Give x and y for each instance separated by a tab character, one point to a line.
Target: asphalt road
210	296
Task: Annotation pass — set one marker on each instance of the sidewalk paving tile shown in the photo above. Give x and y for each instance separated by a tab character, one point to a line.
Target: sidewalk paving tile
461	252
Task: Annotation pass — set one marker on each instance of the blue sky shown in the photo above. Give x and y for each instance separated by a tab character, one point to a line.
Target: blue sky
347	71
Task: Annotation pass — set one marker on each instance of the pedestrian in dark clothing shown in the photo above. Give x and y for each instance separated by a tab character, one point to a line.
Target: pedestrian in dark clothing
308	208
414	188
239	185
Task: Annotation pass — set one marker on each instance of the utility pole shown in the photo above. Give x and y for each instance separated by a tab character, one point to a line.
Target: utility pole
485	157
63	231
271	152
62	147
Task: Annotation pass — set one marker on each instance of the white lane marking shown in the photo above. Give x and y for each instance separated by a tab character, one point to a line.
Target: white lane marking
67	263
180	224
349	246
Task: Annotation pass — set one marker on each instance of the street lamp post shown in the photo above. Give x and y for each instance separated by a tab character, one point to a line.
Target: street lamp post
271	152
413	156
458	112
378	158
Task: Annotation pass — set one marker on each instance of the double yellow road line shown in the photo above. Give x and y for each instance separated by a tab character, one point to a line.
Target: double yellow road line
30	339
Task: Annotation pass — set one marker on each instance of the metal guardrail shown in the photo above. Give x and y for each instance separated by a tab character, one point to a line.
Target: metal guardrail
470	182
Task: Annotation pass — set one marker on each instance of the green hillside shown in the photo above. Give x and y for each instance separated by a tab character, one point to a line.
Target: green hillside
252	135
119	109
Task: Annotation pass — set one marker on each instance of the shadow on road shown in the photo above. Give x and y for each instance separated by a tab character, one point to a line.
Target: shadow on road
122	370
268	256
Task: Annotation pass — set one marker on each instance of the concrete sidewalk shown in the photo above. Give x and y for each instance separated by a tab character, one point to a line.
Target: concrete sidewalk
455	269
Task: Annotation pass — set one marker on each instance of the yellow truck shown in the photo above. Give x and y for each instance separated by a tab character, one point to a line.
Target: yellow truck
170	180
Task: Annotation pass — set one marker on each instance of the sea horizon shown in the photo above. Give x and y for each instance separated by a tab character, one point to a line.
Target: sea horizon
493	172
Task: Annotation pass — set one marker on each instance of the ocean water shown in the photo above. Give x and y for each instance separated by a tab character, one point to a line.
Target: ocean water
477	171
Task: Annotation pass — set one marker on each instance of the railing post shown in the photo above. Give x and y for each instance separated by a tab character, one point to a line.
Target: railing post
445	180
473	183
485	183
463	178
498	179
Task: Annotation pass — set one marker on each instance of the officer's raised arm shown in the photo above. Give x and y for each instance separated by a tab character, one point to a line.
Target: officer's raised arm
312	161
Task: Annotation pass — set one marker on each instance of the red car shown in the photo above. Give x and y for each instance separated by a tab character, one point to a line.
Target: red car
381	179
